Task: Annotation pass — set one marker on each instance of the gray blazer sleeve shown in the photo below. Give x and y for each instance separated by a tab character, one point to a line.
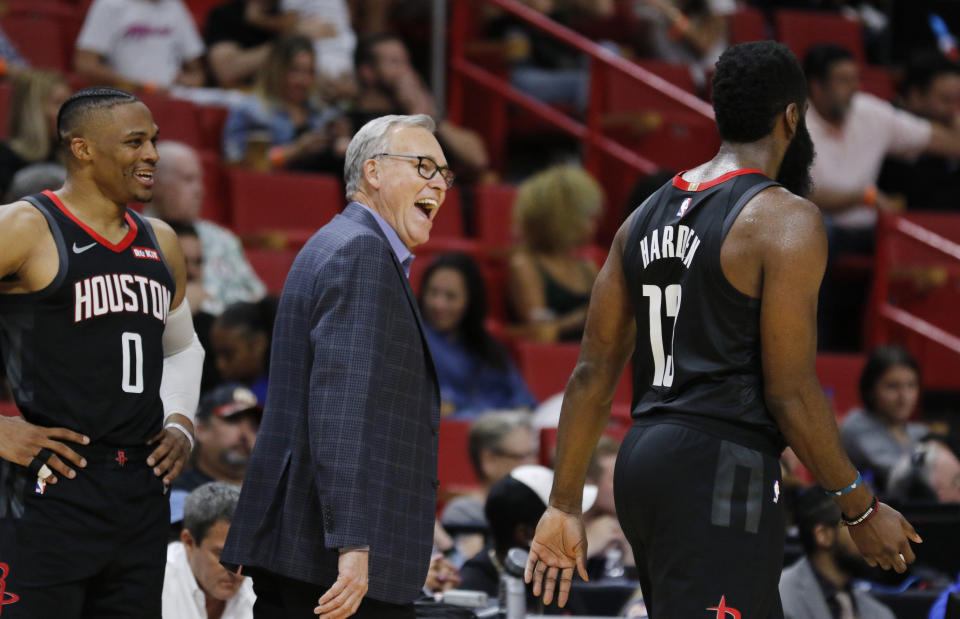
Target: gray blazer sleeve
349	324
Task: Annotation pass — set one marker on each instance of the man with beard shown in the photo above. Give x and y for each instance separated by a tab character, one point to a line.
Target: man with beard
818	586
226	430
712	285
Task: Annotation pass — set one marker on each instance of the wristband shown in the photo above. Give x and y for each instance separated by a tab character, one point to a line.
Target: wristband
174	424
856	483
865	516
870	196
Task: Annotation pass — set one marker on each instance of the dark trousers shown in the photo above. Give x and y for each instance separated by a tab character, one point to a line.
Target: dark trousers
279	597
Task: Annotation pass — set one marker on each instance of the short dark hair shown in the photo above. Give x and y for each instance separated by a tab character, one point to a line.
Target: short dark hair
509	504
813	507
753	84
363	54
75	109
820	60
925	67
880	360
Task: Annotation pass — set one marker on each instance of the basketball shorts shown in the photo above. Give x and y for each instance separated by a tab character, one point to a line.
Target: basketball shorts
92	546
705	520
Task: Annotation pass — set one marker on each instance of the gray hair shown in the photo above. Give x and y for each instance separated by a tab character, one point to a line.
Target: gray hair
35	178
372	138
207	505
489	430
169	150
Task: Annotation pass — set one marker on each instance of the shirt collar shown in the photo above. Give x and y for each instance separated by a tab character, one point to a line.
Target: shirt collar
401	251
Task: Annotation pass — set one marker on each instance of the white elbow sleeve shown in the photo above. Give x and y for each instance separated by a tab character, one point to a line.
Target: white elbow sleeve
182	364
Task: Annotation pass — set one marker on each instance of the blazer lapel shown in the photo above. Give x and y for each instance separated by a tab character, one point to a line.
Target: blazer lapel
361	216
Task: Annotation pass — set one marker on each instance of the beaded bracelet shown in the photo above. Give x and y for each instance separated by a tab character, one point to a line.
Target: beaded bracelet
848	489
865	515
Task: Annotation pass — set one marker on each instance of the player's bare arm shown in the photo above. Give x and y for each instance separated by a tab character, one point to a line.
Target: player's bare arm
560	543
28	263
174	442
792	248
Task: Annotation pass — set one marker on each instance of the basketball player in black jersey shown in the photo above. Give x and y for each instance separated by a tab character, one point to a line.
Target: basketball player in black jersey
101	354
712	285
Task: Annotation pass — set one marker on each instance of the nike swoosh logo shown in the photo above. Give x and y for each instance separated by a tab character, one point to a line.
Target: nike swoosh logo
80	250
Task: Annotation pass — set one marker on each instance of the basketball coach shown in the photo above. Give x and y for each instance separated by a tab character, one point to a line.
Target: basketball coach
337	507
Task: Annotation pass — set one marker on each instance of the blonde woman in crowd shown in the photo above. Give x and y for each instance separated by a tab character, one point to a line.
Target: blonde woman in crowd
555	212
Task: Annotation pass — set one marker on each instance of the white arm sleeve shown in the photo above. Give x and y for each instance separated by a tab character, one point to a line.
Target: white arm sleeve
182	364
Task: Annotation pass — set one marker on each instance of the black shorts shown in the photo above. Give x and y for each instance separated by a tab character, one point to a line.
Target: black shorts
92	546
705	520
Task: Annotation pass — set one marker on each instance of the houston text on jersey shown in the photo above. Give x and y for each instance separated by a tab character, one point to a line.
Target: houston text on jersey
115	293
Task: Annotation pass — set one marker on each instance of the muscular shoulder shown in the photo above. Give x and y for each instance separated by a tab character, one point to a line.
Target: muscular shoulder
21	226
166	237
782	222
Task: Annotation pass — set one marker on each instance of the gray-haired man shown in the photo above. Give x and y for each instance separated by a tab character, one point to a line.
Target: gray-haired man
340	491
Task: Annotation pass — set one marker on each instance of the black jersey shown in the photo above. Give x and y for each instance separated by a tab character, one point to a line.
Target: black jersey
85	352
697	354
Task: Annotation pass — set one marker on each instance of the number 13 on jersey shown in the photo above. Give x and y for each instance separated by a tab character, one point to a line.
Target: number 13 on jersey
662	360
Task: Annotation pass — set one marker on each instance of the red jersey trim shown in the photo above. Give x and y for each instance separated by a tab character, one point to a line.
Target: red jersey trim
117	247
679	183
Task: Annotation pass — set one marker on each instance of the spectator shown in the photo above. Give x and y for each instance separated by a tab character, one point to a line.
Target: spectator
11	61
333	37
931	90
388	84
283	122
474	371
852	132
195	585
818	586
178	196
608	551
35	178
556	212
513	509
499	441
198	296
878	435
240	340
238	36
931	472
140	44
32	137
693	32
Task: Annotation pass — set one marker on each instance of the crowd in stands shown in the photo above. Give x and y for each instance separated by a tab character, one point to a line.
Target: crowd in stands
296	78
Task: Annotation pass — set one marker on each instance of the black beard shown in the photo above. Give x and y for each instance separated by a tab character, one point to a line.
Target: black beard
794	171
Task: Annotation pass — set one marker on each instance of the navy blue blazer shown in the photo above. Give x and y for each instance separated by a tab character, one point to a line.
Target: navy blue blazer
346	454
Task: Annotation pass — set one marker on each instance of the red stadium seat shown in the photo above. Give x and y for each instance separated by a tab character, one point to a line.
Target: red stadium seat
748	24
271	265
493	213
453	467
293	204
839	375
801	30
211	119
38	39
216	192
448	222
546	368
878	82
177	119
5	92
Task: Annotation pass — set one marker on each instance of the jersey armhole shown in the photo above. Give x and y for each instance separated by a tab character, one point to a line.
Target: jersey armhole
148	227
728	221
37	201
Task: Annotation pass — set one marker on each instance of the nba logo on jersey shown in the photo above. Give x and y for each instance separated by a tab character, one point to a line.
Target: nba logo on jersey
684	206
41	486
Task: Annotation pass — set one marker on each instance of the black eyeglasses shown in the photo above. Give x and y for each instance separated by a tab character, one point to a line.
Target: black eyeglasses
426	167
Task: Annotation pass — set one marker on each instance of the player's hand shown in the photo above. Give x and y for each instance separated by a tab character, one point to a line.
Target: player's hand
21	442
885	538
172	451
559	545
344	597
